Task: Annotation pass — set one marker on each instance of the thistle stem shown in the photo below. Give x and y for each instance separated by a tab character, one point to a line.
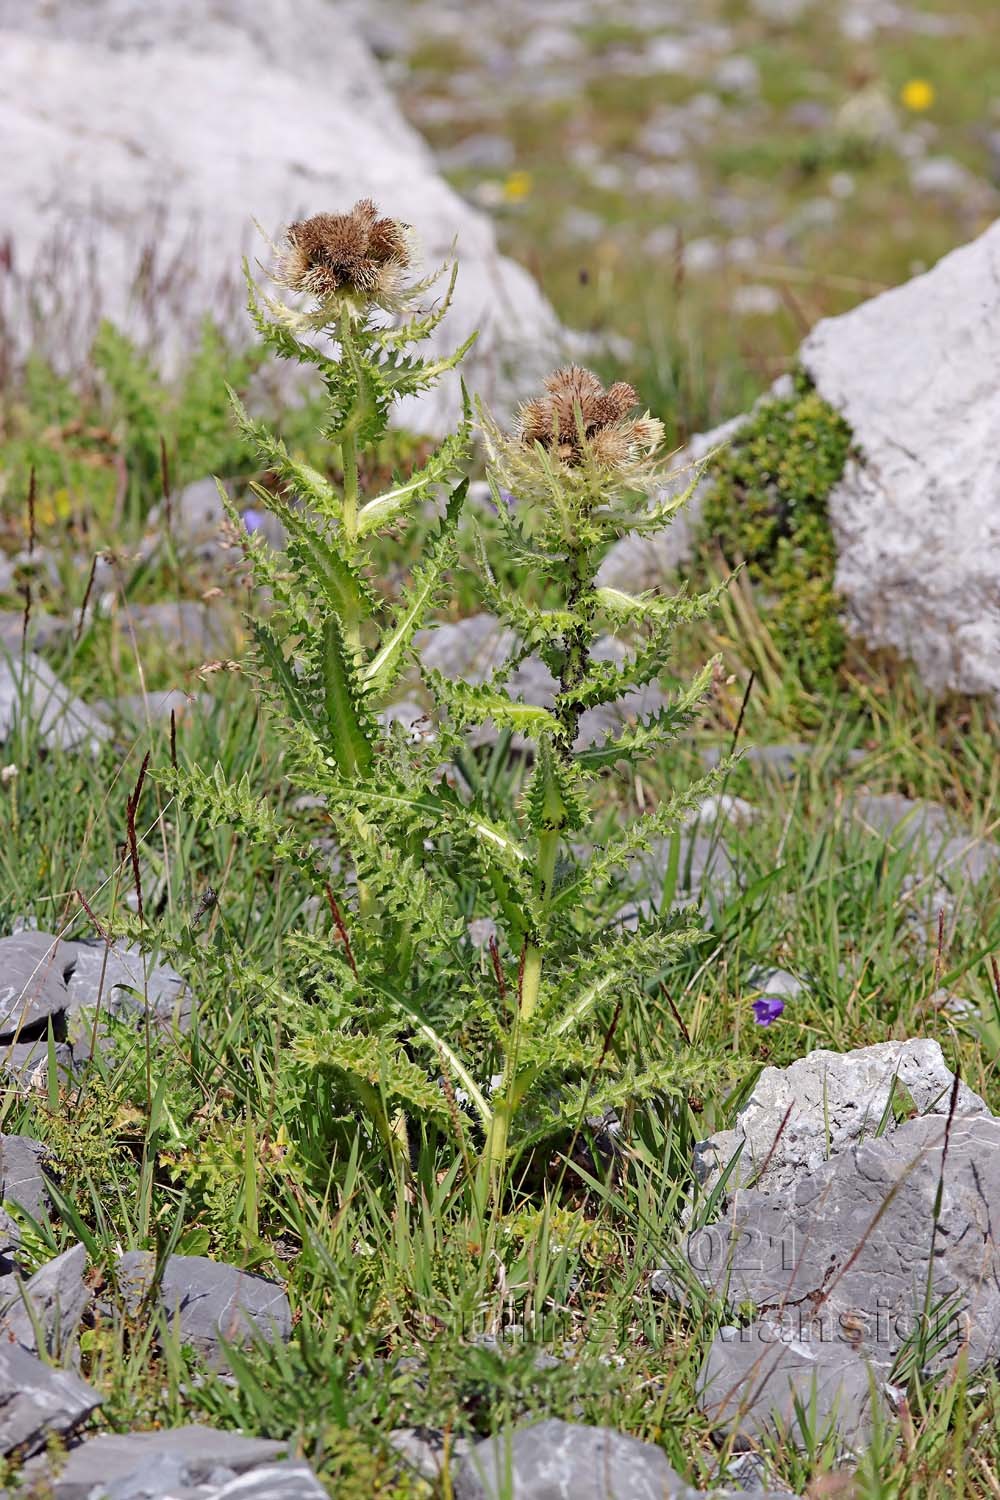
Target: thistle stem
349	459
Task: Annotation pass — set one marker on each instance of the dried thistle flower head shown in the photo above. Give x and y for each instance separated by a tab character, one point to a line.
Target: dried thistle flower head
577	419
357	256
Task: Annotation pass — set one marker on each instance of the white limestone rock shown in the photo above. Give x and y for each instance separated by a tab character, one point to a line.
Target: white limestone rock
916	519
153	134
832	1100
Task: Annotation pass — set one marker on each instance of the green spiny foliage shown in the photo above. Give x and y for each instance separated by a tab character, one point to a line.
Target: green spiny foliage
390	995
766	506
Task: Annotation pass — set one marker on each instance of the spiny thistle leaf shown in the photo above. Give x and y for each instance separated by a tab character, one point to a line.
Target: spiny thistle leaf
469	703
554	799
305	481
382	671
388	507
349	727
649	736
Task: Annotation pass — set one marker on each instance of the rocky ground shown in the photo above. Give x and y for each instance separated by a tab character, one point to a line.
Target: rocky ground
781	1277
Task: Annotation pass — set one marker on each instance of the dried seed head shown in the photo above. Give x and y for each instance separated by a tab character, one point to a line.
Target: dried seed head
357	255
577	418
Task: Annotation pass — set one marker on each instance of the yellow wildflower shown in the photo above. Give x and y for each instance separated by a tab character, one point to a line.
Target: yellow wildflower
917	94
517	186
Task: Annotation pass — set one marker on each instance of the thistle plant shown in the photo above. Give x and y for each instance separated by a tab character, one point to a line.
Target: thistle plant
389	995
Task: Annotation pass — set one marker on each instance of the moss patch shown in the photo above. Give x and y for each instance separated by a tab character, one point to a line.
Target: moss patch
767	507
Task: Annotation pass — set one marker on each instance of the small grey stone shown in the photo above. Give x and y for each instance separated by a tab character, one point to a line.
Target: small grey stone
774	984
53	1301
208	1302
29	686
942	177
187	624
27	1064
422	1450
831	1100
37	1400
44	630
33	969
552	1460
932	833
21	1174
147	1465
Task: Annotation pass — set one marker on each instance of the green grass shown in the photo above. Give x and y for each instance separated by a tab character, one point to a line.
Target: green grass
217	1144
221	1143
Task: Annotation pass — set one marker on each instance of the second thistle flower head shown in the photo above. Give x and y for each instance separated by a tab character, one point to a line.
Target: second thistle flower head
358	257
577	421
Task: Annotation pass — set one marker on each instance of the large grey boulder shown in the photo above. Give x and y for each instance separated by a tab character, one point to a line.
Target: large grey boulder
153	135
916	373
797	1118
857	1262
916	515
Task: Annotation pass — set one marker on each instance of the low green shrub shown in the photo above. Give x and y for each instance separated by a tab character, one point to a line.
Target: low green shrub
766	506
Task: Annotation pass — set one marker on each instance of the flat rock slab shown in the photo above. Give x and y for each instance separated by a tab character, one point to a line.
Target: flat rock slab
798	1117
37	1401
29	689
148	1465
756	1378
208	1302
841	1261
123	979
555	1460
33	970
51	1304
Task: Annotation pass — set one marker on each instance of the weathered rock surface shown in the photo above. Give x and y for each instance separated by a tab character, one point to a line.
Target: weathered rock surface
916	515
29	688
37	1400
207	1302
798	1117
122	979
916	373
21	1179
33	969
154	1465
161	131
552	1460
850	1264
51	1305
754	1376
